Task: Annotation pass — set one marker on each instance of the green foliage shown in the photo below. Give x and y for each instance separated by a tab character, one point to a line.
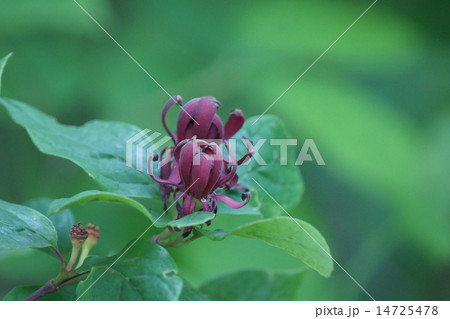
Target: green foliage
2	67
284	181
98	147
144	272
99	196
23	227
254	285
62	223
376	105
294	236
95	196
197	218
190	294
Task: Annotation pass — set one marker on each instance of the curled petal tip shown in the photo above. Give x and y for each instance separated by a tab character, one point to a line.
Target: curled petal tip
178	99
234	123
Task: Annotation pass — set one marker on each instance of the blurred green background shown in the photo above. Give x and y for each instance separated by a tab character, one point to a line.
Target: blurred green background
376	105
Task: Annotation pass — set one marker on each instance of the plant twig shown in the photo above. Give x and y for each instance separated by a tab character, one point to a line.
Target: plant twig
46	289
60	256
50	286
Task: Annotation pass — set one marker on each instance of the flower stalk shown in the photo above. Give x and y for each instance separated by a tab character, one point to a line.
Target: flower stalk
91	241
78	235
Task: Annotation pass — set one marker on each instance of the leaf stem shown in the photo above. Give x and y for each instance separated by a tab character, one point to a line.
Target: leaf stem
59	255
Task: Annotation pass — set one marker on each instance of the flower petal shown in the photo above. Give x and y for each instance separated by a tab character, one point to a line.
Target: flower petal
206	110
232	203
178	100
234	123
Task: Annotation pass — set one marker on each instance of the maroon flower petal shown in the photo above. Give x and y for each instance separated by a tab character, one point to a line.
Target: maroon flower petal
250	152
188	206
185	119
205	112
234	123
232	203
160	180
226	177
216	130
178	100
185	162
200	175
216	170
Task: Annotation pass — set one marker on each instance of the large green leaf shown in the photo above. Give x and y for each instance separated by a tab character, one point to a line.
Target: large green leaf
190	294
99	196
97	146
294	236
62	222
284	181
95	196
2	67
254	285
145	272
23	227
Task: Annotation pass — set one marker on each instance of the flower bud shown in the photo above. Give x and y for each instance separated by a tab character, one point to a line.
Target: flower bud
201	166
199	118
93	235
91	241
78	235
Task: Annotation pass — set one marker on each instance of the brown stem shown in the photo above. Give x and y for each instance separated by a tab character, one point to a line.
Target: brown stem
46	289
50	286
60	256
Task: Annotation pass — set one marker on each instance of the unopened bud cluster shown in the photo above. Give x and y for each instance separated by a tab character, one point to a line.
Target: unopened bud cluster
194	168
84	239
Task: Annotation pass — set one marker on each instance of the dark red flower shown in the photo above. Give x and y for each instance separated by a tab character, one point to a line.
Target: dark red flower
193	169
199	118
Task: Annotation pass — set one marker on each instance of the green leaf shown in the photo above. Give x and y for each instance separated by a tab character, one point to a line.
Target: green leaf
99	196
96	196
216	235
98	147
145	272
23	227
190	294
21	292
283	181
192	219
62	223
2	67
294	236
196	218
254	285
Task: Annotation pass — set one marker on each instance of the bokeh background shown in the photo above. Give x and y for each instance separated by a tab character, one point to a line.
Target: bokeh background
376	105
